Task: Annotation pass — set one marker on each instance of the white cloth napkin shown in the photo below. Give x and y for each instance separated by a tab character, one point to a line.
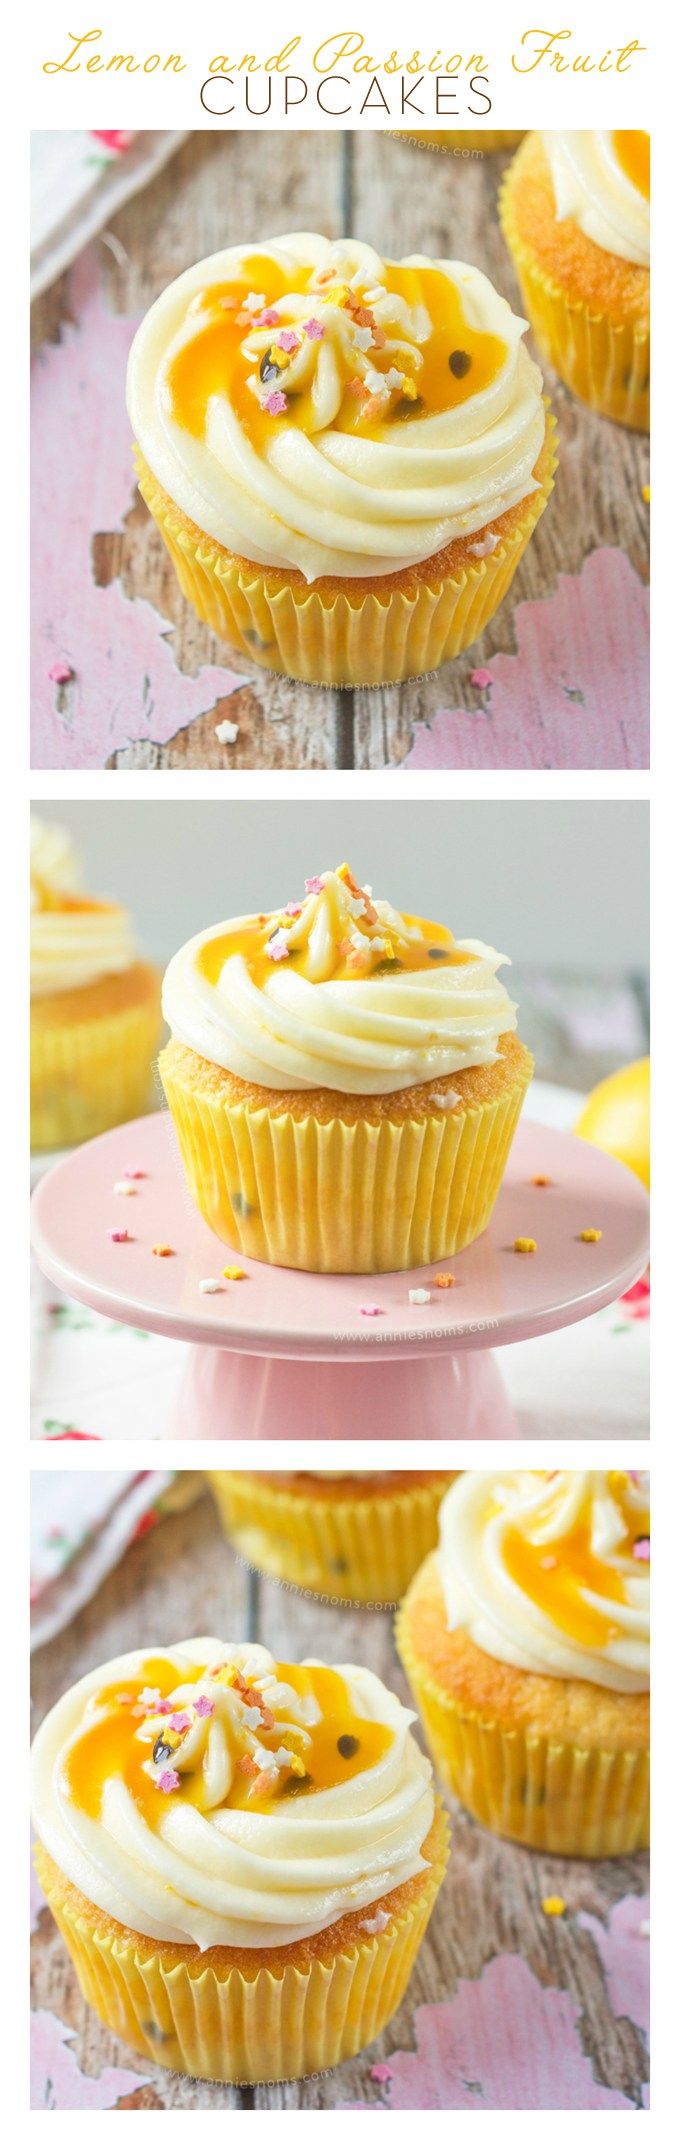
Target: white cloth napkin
80	180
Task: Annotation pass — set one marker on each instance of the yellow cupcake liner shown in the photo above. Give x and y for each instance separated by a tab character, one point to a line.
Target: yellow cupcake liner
457	142
362	1551
335	1196
579	1803
605	364
336	638
272	2023
86	1077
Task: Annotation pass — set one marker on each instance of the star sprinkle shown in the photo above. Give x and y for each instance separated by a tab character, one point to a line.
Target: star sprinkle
641	1549
203	1706
226	731
167	1779
118	1233
294	907
252	303
133	1174
277	947
60	672
180	1720
162	1248
370	1308
124	1188
419	1297
540	1181
233	1270
445	1279
553	1905
209	1285
288	341
524	1246
314	885
591	1233
276	403
268	318
314	330
482	678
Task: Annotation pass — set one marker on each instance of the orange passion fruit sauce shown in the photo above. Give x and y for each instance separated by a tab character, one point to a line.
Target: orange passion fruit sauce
434	947
458	360
556	1573
632	154
340	1745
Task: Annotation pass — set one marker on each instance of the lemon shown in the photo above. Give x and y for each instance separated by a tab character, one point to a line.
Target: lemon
616	1116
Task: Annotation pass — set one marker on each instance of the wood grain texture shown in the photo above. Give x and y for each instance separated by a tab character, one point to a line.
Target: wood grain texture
181	1577
222	188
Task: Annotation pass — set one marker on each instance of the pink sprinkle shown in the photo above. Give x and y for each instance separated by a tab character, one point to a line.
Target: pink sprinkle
381	2073
641	1549
313	884
180	1720
134	1174
277	947
288	340
370	1309
203	1706
167	1780
268	318
292	908
276	403
124	1699
60	672
635	1476
482	678
118	1233
314	330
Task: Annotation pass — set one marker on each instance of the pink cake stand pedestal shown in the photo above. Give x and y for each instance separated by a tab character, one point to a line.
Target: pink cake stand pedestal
283	1354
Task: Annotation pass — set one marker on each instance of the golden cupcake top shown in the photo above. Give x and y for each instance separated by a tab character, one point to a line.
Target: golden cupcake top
601	183
337	988
550	1571
208	1793
75	939
316	407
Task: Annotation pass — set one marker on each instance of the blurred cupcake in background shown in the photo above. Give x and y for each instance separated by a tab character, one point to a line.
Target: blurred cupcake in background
352	1536
95	1006
574	208
525	1640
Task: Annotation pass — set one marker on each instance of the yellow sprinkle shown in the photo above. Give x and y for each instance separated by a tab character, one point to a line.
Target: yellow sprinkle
297	1766
591	1233
162	1249
645	493
523	1246
279	357
233	1270
409	390
553	1905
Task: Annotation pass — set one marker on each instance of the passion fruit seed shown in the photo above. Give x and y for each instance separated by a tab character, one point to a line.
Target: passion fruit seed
268	369
404	407
348	1746
435	952
161	1752
459	363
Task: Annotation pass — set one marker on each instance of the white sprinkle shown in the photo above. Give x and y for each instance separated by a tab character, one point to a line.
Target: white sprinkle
375	380
226	731
484	548
124	1188
253	303
643	1929
377	1923
418	1297
393	378
446	1100
363	337
209	1285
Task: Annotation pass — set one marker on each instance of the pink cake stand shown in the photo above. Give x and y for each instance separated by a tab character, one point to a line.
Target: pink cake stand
286	1354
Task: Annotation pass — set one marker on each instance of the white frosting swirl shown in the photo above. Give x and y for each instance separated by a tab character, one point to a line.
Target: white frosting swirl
580	1608
74	940
329	499
224	1875
370	1033
593	190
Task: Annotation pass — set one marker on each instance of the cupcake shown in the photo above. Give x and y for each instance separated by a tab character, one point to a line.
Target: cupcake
460	143
95	1006
525	1638
344	1080
356	1537
241	1855
575	212
346	456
